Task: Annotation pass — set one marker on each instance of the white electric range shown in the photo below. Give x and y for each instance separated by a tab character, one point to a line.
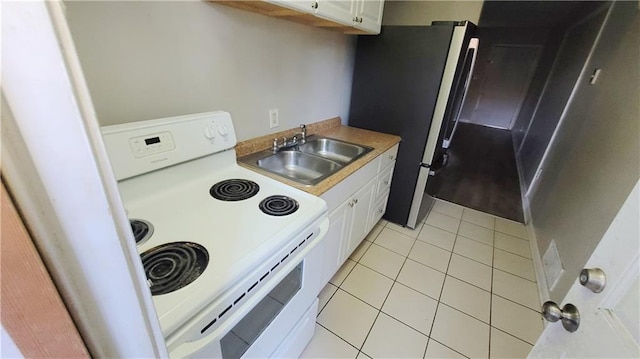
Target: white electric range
228	253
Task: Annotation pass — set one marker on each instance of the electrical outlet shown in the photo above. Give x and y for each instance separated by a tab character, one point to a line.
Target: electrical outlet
274	121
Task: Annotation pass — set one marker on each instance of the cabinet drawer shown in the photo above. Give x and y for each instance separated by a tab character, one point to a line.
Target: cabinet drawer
384	181
377	210
387	158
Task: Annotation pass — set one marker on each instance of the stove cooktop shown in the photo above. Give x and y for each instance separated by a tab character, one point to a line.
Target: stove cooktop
180	175
236	234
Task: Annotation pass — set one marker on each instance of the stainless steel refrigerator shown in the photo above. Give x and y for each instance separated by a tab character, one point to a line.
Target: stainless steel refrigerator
411	81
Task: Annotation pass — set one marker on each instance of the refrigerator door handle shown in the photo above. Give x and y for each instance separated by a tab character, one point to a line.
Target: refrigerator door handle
473	44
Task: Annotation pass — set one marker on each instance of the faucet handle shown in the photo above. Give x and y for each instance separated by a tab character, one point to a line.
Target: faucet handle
274	146
303	131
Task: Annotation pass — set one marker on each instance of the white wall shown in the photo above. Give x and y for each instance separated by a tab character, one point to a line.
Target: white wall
424	12
150	59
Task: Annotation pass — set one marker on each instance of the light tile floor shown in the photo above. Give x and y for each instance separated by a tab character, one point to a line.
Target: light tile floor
461	285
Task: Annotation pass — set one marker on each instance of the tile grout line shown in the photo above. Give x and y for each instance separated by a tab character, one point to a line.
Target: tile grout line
513	336
385	300
435	314
379	310
339	337
493	259
338	288
515	254
406	258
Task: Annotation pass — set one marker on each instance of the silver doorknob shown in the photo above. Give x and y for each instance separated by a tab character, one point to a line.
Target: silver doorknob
569	315
594	279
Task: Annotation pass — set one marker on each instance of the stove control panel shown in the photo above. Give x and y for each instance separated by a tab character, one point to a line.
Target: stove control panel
140	147
144	146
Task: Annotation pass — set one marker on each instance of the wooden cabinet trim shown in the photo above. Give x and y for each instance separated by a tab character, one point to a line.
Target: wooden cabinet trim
33	312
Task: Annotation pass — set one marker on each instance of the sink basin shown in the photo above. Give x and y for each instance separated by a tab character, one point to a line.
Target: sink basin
335	150
310	162
299	166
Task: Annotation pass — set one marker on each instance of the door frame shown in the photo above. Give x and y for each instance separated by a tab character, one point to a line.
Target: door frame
58	172
523	95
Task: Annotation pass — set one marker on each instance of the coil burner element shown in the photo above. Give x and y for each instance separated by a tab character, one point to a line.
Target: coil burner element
172	266
234	190
279	205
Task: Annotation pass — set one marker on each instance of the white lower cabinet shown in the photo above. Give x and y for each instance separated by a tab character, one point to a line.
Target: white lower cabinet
355	205
339	227
360	205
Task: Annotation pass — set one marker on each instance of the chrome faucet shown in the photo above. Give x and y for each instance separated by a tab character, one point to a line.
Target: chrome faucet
291	144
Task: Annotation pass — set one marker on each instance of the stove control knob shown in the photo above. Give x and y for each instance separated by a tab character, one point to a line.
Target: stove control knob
210	131
223	130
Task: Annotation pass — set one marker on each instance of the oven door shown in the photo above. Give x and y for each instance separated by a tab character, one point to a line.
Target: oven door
268	321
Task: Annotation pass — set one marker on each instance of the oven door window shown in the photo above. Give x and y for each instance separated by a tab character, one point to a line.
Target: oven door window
240	338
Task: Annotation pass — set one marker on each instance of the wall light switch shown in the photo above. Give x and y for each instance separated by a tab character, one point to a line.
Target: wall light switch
274	121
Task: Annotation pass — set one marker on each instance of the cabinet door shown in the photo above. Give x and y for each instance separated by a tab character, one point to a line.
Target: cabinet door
339	225
369	14
378	209
384	182
361	205
337	10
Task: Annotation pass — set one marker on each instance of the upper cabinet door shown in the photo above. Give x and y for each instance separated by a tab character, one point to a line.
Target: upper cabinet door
369	15
341	11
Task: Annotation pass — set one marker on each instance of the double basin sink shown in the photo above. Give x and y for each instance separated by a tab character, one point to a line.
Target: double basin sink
310	162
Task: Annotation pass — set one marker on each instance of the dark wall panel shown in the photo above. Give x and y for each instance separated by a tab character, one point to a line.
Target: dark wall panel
570	61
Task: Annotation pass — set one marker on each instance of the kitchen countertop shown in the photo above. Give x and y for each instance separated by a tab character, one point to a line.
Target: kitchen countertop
380	142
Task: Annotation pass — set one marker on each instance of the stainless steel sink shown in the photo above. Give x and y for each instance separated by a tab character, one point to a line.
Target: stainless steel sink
335	150
310	162
299	166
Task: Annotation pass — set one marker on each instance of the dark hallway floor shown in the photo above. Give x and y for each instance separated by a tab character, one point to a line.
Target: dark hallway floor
481	172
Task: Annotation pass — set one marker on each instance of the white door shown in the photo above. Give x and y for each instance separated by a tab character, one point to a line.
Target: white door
609	320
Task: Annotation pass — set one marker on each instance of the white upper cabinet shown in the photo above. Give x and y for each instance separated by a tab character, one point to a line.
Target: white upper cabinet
346	16
341	11
368	15
362	14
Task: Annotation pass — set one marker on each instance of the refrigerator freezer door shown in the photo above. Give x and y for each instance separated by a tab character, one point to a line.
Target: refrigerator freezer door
448	77
422	202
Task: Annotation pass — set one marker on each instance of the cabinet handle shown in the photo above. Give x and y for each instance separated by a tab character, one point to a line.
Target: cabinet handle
355	200
360	20
355	19
390	157
380	211
386	183
314	5
351	203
